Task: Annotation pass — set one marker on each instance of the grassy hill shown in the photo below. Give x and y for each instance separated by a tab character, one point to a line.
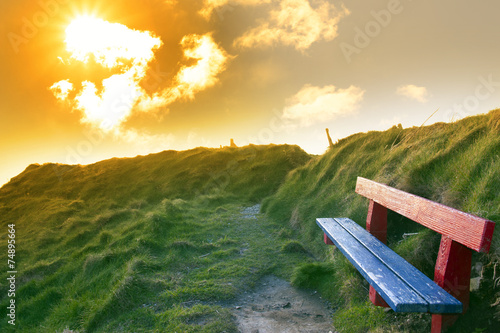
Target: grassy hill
247	173
163	242
149	243
456	164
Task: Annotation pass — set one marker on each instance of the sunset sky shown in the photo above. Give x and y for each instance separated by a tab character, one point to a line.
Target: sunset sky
83	81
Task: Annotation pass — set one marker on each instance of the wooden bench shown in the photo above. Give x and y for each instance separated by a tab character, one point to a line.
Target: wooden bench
393	281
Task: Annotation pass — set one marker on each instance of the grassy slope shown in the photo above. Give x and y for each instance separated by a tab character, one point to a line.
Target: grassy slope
158	242
169	174
456	164
150	243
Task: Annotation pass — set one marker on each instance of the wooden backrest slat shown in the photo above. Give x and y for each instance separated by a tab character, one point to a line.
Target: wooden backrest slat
467	229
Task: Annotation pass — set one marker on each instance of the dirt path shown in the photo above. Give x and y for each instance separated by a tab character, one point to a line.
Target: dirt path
274	306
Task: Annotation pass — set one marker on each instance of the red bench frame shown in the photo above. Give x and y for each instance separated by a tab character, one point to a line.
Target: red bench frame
461	234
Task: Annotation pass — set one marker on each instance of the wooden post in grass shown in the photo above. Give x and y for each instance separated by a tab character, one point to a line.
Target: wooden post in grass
330	142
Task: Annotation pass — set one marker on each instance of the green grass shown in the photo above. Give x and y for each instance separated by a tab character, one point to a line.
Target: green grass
171	274
456	164
155	243
159	243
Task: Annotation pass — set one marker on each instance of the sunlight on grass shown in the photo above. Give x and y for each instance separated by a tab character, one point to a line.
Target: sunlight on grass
159	254
161	242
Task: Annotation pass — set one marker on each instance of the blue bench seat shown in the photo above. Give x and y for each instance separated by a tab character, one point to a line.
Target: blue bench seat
402	286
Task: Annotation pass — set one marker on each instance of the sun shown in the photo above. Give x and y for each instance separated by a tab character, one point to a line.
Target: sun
83	38
111	44
107	104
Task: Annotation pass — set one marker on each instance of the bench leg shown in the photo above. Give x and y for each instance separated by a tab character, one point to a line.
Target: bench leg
452	273
376	221
327	240
440	323
377	299
376	224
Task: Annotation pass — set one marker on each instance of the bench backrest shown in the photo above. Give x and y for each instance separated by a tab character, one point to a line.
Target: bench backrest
471	231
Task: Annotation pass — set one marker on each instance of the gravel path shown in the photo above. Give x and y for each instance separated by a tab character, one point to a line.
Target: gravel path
274	306
251	212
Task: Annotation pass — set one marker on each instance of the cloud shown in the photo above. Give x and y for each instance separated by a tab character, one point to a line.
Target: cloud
210	61
110	44
315	104
113	46
295	23
61	89
209	6
413	92
109	103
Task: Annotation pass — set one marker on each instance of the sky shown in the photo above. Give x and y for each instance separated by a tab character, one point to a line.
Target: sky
87	80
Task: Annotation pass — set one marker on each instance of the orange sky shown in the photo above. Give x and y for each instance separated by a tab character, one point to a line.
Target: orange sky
88	80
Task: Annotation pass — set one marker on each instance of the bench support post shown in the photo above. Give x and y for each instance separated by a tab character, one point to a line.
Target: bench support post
327	240
376	221
452	273
376	224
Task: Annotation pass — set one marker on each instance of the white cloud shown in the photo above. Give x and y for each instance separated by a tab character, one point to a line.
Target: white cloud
110	103
413	92
61	89
209	61
315	104
295	23
209	6
113	46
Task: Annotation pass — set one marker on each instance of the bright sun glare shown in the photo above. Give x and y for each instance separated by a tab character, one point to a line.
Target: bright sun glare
111	45
108	104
